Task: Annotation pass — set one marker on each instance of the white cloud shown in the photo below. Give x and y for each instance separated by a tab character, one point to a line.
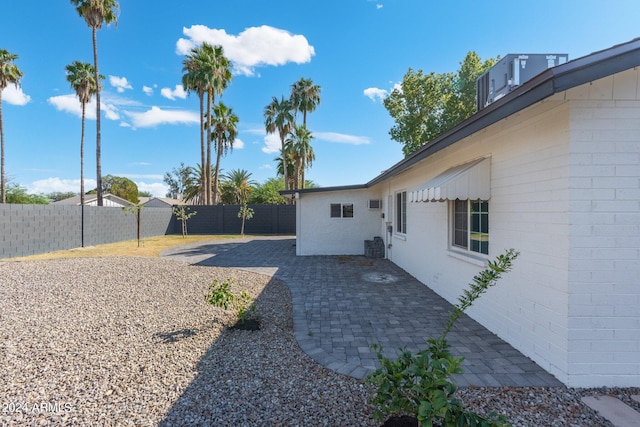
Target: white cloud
147	90
272	144
253	47
157	189
375	94
238	143
53	185
156	116
266	166
14	95
70	104
178	92
379	6
341	138
120	83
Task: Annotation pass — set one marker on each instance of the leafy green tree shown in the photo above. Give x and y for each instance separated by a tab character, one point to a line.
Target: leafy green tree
81	77
95	13
142	193
305	97
178	180
183	214
245	213
9	73
237	185
279	116
267	193
17	194
225	125
121	187
427	105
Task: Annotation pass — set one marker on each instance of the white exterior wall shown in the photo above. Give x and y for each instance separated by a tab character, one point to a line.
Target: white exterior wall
565	193
604	275
319	234
528	211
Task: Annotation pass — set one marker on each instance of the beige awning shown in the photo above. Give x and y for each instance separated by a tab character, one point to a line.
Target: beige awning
467	181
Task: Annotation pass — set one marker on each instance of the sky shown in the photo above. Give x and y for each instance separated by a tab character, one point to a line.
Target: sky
357	51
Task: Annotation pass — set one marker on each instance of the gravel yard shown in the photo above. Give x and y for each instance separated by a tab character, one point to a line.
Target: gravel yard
130	341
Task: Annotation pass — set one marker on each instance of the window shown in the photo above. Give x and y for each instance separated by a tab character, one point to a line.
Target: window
470	224
401	212
341	210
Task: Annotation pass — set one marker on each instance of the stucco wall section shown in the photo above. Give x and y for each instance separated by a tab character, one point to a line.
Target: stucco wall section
323	235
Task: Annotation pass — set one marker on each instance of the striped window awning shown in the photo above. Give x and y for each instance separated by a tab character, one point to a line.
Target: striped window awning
467	181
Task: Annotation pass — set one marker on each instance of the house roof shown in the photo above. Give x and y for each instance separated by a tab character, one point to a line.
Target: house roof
574	73
88	198
168	200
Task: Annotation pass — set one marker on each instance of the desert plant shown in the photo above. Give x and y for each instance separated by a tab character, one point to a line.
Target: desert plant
220	295
422	384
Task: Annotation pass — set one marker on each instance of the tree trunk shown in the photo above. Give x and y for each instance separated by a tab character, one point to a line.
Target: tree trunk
203	189
208	169
84	107
3	195
215	179
98	90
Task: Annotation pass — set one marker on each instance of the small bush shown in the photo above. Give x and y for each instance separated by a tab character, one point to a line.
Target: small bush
421	384
220	295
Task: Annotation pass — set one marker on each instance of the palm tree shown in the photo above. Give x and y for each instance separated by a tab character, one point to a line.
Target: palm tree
81	77
9	73
193	80
279	116
226	129
95	13
193	186
305	97
299	145
217	74
290	168
239	184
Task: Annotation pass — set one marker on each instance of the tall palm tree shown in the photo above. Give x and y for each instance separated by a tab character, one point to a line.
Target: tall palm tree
279	116
9	73
193	80
217	75
81	77
193	186
299	145
239	184
95	13
225	125
305	97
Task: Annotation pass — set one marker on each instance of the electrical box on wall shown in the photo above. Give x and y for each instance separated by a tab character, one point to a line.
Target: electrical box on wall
512	71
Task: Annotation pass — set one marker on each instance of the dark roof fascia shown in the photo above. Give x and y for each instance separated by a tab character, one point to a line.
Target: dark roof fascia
558	79
324	189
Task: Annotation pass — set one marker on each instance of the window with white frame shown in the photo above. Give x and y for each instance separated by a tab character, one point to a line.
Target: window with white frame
470	225
401	212
341	210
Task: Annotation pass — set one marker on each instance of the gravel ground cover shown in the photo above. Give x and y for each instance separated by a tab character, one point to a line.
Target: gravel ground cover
130	342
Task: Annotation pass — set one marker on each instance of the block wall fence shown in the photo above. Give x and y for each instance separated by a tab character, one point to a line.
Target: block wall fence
33	229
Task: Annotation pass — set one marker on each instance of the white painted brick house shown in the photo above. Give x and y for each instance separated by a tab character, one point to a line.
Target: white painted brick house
552	169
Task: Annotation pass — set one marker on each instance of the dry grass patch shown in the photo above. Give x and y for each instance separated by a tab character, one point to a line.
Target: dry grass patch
150	247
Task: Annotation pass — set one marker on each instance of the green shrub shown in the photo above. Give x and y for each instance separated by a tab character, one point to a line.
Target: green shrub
220	295
422	384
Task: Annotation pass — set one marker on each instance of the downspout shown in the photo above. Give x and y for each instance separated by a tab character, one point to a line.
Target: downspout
298	223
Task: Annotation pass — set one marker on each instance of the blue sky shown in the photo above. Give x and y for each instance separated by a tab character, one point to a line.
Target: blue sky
356	50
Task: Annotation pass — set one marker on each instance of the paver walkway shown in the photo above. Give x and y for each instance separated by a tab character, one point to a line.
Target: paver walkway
343	304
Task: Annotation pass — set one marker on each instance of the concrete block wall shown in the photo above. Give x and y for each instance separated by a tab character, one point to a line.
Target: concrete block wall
223	219
33	229
604	278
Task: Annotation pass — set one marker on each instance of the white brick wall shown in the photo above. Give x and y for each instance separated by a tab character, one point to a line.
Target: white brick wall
604	279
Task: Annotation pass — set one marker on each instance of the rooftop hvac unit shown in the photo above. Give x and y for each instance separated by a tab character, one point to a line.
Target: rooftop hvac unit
512	71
